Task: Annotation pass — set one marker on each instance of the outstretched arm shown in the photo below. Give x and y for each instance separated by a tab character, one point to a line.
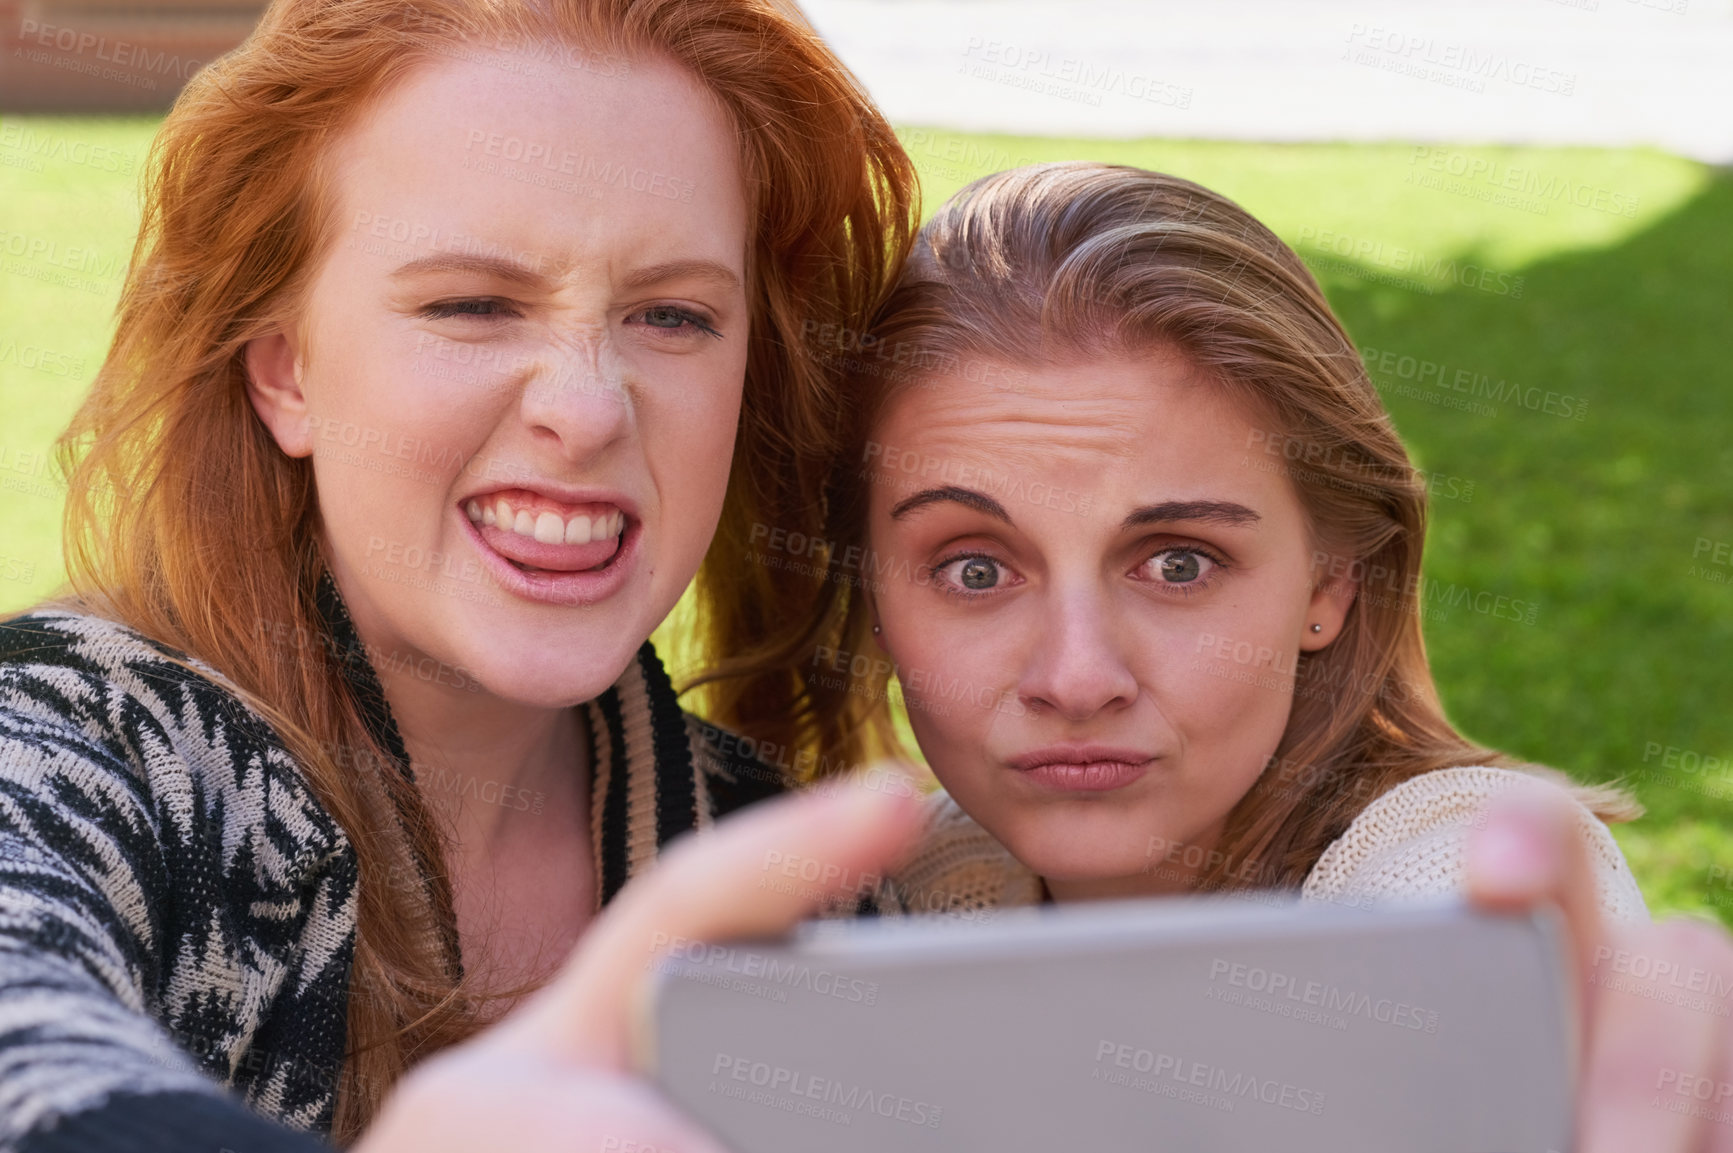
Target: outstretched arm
555	1073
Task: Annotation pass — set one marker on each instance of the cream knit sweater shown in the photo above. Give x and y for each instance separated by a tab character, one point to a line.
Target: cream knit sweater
1406	844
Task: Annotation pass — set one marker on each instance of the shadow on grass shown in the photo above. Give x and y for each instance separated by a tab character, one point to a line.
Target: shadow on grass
1617	527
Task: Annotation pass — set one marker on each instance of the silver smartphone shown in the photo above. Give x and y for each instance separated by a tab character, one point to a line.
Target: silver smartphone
1175	1025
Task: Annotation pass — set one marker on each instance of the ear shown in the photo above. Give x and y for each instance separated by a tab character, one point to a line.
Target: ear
872	609
1331	600
274	388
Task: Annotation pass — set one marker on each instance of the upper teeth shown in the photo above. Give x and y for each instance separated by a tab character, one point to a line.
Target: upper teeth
546	527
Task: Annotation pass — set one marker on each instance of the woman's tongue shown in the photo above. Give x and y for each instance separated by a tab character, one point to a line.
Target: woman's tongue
557	539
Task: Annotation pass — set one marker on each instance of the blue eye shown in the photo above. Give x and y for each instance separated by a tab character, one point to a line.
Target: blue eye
673	319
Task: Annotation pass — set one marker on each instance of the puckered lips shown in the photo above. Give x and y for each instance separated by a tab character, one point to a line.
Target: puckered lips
560	547
1082	768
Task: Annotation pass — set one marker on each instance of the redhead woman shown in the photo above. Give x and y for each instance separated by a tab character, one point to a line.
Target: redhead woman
445	325
1127	519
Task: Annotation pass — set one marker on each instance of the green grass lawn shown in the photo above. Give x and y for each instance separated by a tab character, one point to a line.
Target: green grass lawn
1550	329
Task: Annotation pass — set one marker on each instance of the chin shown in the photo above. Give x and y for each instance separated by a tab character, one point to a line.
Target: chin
1084	866
553	670
1071	850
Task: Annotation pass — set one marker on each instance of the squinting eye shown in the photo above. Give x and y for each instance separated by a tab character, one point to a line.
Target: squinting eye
481	306
666	316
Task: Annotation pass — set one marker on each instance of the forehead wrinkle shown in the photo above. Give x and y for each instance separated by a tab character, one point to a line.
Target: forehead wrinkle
1028	438
1066	402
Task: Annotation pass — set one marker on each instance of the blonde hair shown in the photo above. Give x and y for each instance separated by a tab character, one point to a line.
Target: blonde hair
1058	262
185	521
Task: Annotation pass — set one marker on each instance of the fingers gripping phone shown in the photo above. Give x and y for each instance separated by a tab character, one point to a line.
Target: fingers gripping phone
1184	1025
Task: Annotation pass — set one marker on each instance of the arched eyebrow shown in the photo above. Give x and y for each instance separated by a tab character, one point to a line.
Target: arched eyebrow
1205	511
968	497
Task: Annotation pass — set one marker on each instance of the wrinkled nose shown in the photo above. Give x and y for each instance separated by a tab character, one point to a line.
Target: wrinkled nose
579	396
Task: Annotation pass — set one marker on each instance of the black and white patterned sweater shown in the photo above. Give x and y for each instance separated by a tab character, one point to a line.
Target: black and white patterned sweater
177	910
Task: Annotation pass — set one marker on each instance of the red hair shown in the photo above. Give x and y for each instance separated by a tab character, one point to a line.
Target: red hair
184	519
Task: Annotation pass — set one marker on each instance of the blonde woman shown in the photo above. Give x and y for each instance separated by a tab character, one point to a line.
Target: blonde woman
1126	517
1140	541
